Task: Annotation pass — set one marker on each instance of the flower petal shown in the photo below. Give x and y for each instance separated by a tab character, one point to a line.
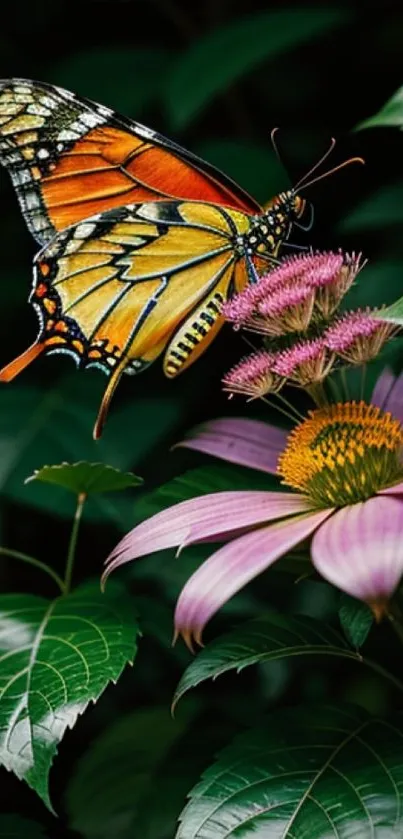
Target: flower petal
396	489
388	393
360	549
382	388
246	442
234	565
219	514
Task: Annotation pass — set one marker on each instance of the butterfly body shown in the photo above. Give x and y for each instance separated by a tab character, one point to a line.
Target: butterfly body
141	240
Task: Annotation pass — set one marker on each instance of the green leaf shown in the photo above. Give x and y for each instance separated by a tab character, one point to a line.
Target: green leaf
85	478
134	83
253	166
221	57
264	639
356	619
382	209
104	798
53	425
305	772
394	313
56	657
390	114
13	826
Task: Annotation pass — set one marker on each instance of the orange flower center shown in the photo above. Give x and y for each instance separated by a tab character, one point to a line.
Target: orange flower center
342	454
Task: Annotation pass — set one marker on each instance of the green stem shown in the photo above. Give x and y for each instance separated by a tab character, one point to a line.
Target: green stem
30	560
395	619
71	553
363	377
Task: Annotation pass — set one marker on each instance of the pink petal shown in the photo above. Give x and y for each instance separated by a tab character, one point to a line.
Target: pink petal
396	489
360	549
247	442
234	565
388	394
200	518
383	387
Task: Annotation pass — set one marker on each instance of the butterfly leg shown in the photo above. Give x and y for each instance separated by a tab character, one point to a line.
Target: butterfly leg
11	370
107	398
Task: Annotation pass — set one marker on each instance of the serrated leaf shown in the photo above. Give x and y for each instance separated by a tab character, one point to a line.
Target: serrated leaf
53	425
56	657
305	772
268	638
104	798
13	826
85	478
217	60
391	114
89	73
356	619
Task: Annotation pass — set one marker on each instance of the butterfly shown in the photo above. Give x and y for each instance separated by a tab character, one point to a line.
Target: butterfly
141	240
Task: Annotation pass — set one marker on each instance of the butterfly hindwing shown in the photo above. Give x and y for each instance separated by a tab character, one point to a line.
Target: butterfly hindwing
70	158
116	289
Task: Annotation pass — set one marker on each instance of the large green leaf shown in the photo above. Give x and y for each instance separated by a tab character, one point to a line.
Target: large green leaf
221	57
105	796
56	657
13	826
305	773
390	114
139	72
268	638
50	426
85	478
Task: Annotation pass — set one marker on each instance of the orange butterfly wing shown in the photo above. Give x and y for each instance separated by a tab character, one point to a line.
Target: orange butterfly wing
118	289
70	158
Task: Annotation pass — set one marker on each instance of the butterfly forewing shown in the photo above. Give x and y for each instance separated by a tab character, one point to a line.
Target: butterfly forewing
70	158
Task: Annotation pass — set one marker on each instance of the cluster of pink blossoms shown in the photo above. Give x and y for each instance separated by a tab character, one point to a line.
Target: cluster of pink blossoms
297	304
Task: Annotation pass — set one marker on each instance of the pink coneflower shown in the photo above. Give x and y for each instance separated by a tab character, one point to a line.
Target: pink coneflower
357	337
253	376
344	465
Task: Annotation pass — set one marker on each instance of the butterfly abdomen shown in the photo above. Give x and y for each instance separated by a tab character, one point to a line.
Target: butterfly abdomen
187	344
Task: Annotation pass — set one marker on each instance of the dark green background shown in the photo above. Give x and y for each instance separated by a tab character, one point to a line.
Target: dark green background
133	56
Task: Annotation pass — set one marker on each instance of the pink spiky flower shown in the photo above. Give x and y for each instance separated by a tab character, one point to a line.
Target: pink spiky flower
331	278
358	337
288	309
305	363
253	376
325	276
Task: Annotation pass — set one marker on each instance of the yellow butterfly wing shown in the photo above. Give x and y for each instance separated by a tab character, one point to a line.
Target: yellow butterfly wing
117	289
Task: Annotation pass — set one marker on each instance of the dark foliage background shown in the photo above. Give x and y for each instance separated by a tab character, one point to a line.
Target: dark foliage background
137	57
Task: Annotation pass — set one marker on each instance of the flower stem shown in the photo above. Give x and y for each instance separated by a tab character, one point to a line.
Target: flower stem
395	617
30	560
71	553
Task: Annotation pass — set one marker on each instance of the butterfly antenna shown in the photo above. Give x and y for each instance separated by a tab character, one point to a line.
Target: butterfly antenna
274	144
331	171
107	398
10	371
316	166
